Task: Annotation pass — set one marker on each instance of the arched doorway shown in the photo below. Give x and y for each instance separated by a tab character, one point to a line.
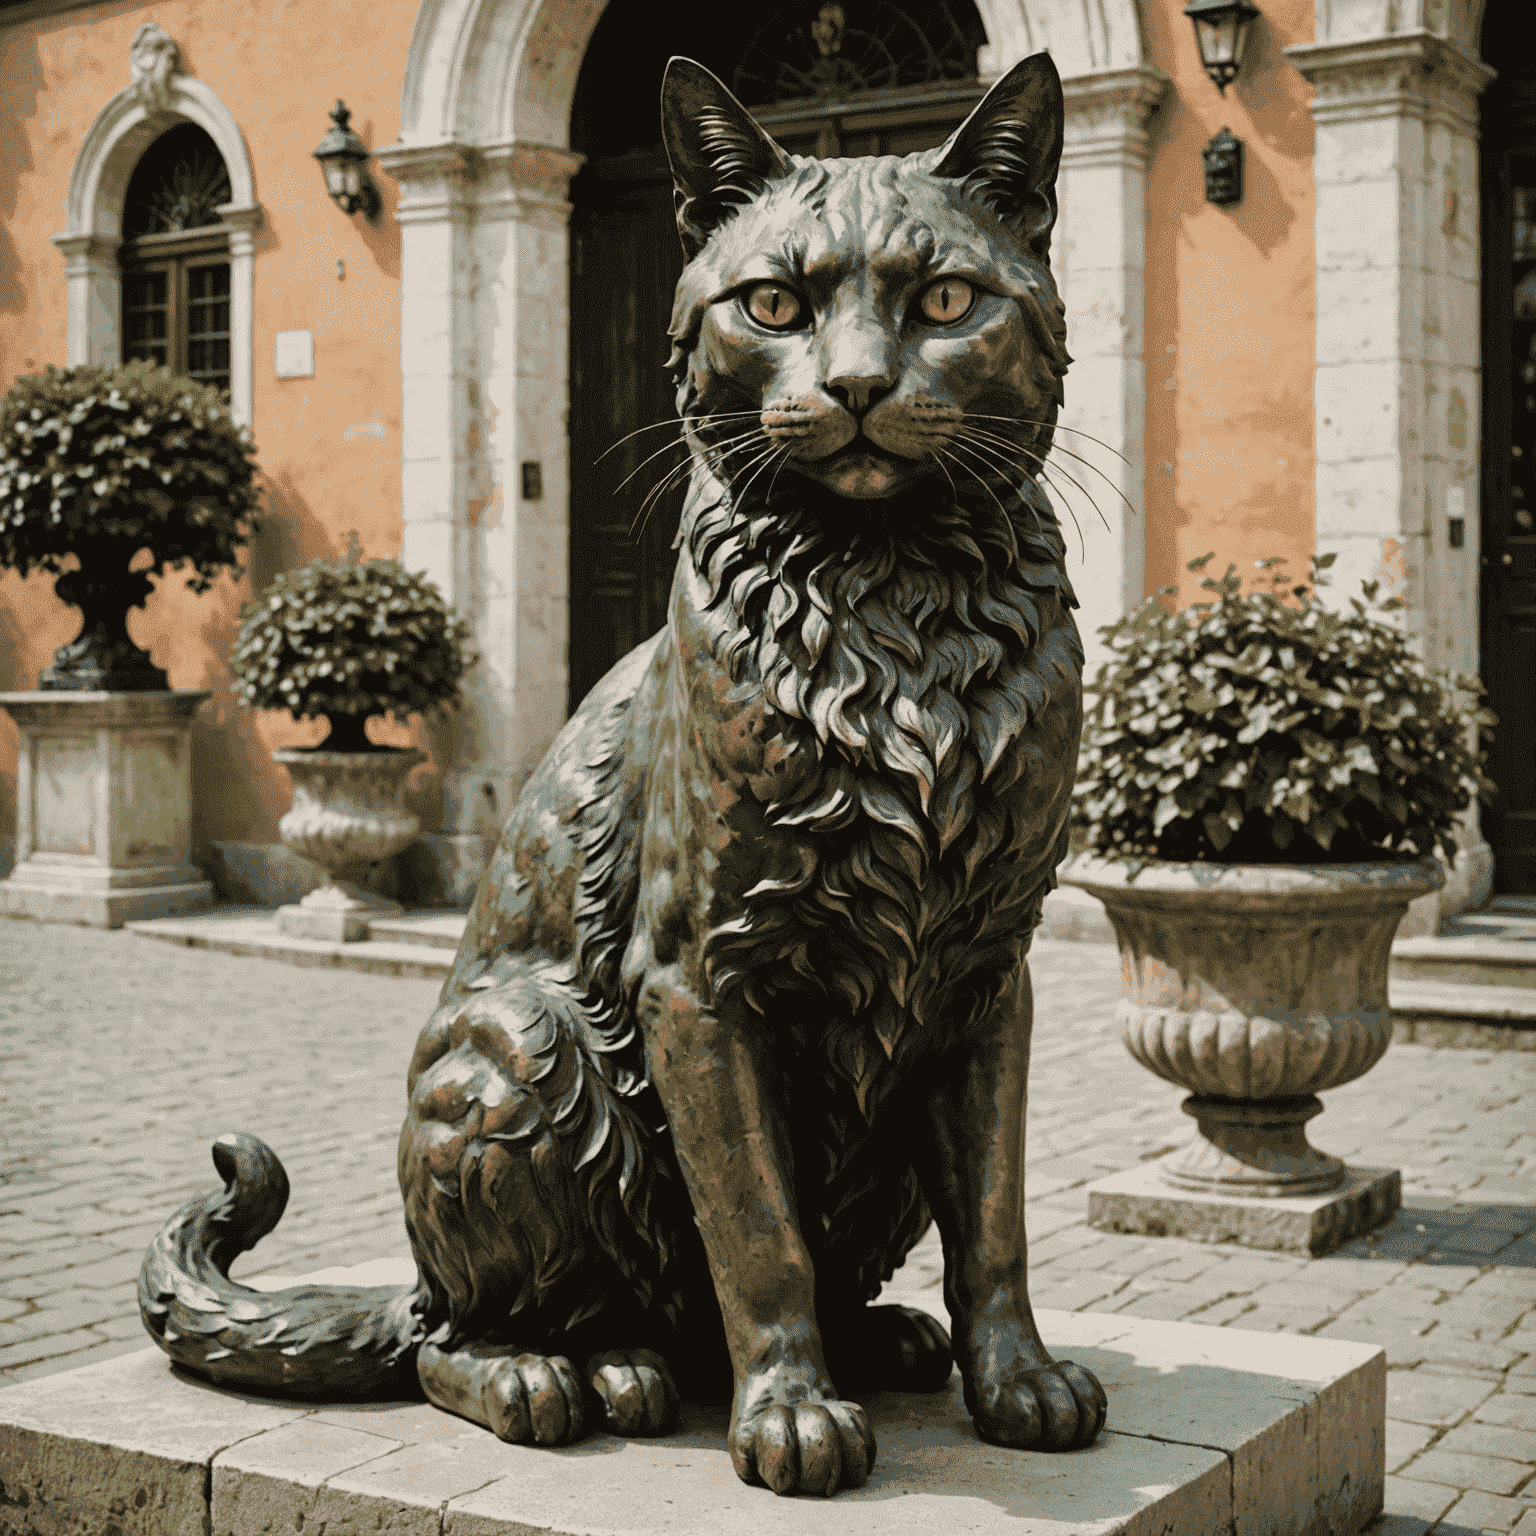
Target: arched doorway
1508	183
484	172
858	78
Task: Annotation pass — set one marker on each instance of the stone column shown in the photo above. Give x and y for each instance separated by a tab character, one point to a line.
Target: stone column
95	298
103	807
1397	402
1099	258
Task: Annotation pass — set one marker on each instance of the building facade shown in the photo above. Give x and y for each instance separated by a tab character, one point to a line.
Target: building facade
1328	364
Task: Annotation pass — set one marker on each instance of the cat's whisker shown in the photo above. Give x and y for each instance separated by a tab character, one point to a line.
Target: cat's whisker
1055	426
716	453
976	435
656	492
975	448
674	421
679	443
938	458
981	480
789	453
1048	473
1000	463
997	437
761	461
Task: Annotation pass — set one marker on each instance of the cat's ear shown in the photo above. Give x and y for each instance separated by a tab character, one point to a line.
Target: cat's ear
1009	149
720	157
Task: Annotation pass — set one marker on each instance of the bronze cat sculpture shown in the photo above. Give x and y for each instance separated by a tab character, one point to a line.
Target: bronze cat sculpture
743	997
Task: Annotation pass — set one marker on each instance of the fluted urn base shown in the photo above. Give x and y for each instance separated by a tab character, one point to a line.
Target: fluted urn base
346	816
1256	1148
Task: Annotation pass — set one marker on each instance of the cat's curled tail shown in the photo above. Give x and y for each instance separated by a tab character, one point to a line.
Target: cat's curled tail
333	1341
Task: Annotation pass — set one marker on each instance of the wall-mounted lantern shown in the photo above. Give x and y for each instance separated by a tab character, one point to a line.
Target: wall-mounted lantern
343	158
1221	30
1223	168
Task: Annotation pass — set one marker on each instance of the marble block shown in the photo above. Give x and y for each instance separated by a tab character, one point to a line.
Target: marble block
1140	1200
103	807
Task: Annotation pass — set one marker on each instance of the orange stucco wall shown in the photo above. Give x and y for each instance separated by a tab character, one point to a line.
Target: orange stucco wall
329	446
1229	330
1231	309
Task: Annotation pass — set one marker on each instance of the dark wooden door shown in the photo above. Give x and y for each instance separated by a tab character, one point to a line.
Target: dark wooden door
625	262
1508	639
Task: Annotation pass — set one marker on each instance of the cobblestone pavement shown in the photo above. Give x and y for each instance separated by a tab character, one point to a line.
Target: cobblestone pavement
122	1059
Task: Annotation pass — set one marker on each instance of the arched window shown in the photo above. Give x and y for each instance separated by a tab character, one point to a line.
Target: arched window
175	258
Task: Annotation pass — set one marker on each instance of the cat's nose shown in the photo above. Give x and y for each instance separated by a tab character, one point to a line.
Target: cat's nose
858	392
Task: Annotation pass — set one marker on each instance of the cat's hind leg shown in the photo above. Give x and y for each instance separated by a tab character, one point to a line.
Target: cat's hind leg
528	1198
526	1398
877	1215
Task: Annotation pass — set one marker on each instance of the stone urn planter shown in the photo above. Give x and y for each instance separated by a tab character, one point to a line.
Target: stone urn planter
344	640
346	815
1254	987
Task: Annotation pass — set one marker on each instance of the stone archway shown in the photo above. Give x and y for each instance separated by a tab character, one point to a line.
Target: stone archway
158	98
484	167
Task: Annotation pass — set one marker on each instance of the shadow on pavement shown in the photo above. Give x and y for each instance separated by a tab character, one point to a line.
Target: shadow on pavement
1445	1231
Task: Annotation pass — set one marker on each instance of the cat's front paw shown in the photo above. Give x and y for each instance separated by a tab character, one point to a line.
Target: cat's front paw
636	1391
814	1446
1057	1406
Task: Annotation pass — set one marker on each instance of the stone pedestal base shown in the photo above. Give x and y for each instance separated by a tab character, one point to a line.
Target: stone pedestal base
1252	1147
104	807
338	913
1141	1200
1212	1430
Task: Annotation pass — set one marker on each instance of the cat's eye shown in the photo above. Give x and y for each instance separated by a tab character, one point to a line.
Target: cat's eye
947	300
773	305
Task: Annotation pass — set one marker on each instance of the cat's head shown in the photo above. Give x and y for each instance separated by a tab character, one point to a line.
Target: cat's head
885	319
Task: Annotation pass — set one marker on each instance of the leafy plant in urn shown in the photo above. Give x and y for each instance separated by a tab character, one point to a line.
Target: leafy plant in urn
344	640
111	465
1264	781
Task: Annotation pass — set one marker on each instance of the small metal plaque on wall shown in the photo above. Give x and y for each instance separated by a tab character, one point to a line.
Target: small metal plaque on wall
1224	169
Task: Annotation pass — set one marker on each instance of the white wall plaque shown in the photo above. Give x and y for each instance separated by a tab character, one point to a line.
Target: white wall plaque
295	354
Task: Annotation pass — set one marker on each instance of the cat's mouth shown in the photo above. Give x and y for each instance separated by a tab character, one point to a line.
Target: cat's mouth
861	469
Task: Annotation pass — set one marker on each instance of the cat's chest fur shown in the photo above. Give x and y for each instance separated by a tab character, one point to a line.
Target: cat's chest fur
870	908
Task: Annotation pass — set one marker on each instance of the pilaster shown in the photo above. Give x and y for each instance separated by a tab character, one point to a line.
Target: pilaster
95	297
1100	261
243	220
1398	394
485	358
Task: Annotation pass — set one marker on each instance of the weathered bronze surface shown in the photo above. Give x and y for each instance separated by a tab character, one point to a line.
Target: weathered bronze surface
744	997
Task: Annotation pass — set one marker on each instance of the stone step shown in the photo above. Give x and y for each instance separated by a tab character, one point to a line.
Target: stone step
1468	959
437	930
1467	1014
254	931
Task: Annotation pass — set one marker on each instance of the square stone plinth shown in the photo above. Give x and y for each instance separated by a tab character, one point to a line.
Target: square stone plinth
103	807
331	925
1141	1201
1213	1430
